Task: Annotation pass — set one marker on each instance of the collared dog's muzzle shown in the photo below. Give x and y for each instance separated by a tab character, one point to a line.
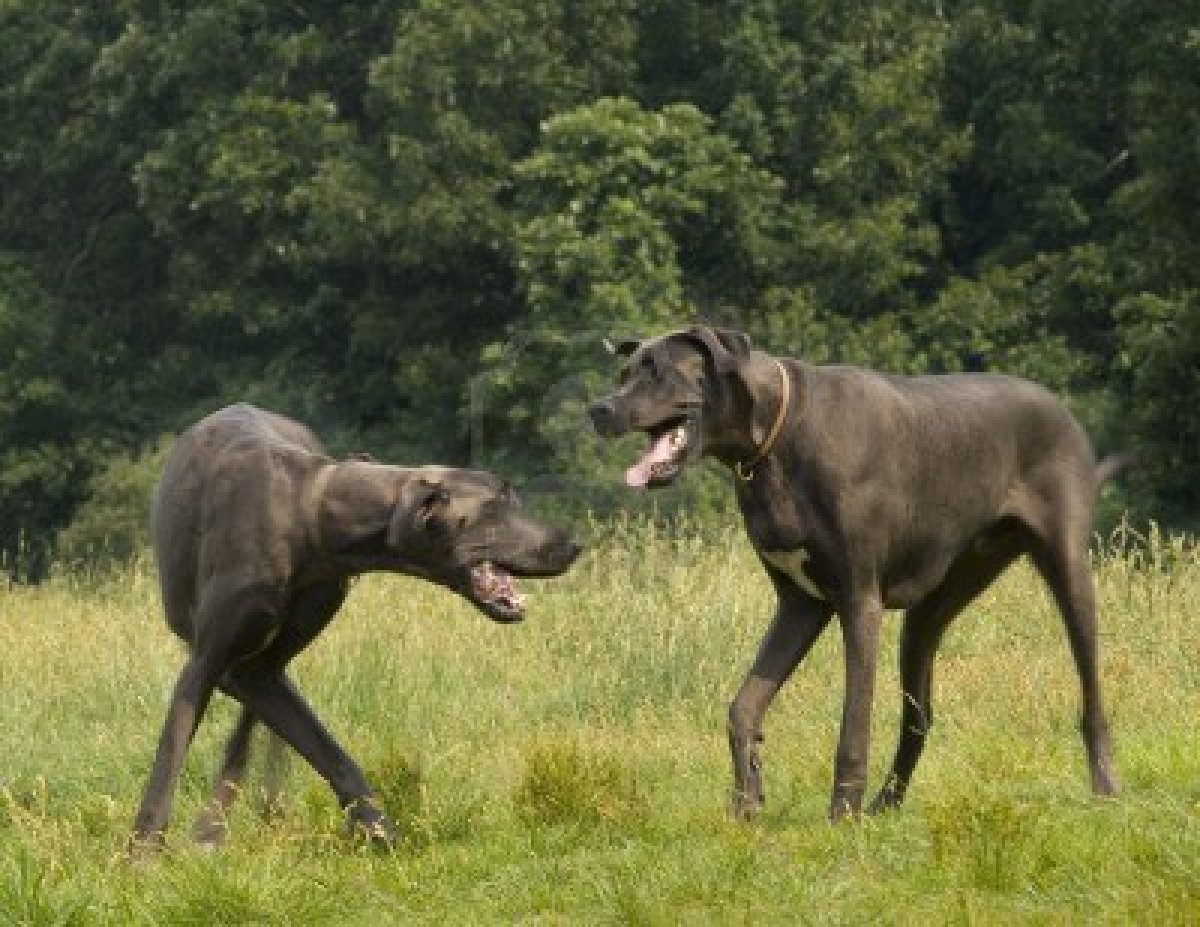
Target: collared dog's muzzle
608	422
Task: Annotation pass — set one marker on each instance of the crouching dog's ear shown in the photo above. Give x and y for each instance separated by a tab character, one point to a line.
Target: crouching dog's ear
419	501
724	346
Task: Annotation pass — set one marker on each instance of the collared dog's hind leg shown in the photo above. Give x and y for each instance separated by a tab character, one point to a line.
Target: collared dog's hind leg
1066	568
924	625
861	622
799	620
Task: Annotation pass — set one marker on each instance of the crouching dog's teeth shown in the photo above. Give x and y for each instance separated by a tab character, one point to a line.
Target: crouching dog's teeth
679	436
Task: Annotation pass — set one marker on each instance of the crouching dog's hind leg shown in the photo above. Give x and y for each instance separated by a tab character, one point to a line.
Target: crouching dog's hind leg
211	824
273	698
189	700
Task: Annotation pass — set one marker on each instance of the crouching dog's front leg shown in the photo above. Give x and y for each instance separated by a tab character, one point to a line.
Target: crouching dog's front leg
365	820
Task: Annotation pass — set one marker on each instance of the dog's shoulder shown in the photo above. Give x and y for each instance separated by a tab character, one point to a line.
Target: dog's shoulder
240	464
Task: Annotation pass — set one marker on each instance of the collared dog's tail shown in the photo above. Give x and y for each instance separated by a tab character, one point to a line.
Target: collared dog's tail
1113	465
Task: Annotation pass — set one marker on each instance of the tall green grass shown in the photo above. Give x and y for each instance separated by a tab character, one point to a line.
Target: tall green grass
573	769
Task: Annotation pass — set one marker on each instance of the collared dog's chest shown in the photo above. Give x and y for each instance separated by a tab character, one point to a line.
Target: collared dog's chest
794	565
780	525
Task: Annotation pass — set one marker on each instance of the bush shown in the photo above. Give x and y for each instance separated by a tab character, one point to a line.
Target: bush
112	525
565	783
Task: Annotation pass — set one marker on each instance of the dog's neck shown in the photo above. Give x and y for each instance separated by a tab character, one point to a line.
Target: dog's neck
349	508
758	410
314	504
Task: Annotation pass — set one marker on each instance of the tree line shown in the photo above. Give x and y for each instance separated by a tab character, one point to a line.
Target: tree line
410	223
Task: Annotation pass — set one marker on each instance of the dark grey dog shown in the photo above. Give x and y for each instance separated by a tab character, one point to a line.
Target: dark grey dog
256	533
860	492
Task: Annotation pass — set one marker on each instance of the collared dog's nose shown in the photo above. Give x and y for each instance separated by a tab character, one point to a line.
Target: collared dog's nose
604	418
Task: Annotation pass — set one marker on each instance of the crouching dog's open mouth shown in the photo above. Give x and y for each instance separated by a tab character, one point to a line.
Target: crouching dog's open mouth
495	589
663	460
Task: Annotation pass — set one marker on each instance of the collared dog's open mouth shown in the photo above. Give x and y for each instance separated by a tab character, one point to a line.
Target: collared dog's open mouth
663	460
494	590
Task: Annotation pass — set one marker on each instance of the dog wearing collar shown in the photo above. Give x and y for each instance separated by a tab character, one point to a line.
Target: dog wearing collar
861	492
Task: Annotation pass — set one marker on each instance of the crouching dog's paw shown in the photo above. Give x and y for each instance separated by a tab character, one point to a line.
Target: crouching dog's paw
142	848
368	824
209	831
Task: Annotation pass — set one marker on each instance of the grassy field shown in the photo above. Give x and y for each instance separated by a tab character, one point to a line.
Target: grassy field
574	769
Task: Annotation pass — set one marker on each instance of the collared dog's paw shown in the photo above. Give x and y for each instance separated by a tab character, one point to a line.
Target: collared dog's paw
745	806
889	797
885	800
845	805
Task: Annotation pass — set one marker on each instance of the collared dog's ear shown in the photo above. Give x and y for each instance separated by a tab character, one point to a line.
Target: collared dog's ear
622	347
419	500
725	347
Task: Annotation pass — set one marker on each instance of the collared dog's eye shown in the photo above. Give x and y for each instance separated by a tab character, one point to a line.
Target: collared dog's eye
651	367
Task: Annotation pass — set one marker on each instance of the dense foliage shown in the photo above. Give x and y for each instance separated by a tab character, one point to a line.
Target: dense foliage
410	223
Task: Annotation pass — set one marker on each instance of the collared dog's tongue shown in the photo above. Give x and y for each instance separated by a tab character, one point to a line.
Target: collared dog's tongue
662	450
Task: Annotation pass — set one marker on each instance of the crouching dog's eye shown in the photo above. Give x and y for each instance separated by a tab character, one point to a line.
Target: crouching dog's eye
430	506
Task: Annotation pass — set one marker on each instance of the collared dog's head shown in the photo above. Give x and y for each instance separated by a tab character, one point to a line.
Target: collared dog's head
678	389
463	529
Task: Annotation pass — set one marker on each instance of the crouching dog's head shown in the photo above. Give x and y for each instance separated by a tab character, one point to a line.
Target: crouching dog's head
466	530
677	389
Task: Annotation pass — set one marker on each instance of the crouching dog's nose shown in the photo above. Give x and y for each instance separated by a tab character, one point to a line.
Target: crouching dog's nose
604	418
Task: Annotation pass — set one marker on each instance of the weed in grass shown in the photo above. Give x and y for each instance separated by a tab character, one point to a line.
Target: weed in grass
35	893
400	785
99	815
202	890
565	782
991	839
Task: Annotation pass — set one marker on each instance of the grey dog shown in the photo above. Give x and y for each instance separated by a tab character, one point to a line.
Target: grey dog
256	533
862	492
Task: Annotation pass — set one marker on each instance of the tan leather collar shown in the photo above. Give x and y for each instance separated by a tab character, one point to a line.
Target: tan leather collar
745	472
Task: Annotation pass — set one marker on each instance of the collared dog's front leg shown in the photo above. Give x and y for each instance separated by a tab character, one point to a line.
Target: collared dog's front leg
860	619
799	620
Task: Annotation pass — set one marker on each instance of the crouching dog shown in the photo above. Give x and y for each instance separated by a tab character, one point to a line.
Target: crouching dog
257	532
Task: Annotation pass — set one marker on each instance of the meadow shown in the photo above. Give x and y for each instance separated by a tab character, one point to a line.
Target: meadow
574	769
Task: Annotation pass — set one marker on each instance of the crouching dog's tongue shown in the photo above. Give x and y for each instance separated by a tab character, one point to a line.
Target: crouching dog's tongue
662	450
